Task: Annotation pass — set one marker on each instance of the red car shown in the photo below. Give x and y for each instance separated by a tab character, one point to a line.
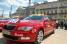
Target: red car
2	21
30	29
0	25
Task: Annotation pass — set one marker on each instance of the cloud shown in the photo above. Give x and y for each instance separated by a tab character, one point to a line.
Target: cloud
4	7
18	2
10	1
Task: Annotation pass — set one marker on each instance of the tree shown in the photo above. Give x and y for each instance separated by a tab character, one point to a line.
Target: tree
20	11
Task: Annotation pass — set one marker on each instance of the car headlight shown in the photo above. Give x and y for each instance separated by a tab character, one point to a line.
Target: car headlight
26	28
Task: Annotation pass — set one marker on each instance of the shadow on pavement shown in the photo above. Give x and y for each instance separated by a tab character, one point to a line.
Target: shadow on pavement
13	42
4	41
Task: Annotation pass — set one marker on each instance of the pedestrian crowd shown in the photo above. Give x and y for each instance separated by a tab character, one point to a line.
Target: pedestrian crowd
62	24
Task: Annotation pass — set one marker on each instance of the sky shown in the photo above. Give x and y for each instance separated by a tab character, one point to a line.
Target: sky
6	4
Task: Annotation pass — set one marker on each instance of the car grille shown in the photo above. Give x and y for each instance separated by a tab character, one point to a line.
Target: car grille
11	37
9	27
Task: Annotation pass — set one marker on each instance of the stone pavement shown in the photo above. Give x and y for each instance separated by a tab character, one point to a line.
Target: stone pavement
60	37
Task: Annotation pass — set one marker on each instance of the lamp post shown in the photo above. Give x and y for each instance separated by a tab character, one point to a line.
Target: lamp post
11	2
10	11
2	13
30	7
29	3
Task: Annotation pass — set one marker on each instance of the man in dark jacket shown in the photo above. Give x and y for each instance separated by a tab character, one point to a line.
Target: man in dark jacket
61	24
65	25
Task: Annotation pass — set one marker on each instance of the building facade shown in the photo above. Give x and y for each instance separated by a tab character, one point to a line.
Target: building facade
61	0
57	9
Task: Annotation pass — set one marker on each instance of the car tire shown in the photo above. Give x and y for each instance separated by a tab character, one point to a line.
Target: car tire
40	37
53	32
0	30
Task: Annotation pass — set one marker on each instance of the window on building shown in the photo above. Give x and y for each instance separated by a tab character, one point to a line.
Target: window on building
64	16
44	11
65	11
61	11
52	12
33	12
48	12
40	11
55	11
37	11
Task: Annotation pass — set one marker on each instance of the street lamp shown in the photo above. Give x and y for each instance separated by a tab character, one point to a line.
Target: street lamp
2	13
11	2
30	7
10	11
29	3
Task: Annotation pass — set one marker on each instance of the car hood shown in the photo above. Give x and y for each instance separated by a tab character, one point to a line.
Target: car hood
4	21
28	22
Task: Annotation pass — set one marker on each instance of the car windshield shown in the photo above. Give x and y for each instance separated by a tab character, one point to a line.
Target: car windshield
12	19
6	18
33	18
0	18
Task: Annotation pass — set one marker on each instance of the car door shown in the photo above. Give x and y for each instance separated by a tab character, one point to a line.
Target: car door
52	23
46	25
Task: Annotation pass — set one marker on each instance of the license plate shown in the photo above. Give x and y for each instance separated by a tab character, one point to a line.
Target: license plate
6	32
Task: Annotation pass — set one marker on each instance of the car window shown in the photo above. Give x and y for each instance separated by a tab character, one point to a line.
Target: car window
33	18
21	18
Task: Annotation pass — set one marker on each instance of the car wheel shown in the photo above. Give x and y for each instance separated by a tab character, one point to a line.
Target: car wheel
53	32
40	37
0	30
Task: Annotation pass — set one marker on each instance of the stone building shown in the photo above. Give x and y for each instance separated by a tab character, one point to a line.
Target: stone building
61	0
57	9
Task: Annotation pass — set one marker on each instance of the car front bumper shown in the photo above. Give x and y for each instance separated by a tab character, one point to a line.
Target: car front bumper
26	37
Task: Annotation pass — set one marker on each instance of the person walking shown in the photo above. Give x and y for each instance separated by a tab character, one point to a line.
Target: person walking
65	25
61	24
57	24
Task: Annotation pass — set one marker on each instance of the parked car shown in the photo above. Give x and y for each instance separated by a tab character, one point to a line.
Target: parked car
30	29
2	21
0	25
